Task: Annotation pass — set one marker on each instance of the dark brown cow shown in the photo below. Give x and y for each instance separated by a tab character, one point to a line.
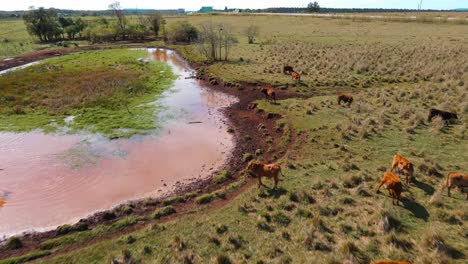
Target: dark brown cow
270	94
394	186
287	69
456	179
404	166
446	116
347	98
295	76
260	170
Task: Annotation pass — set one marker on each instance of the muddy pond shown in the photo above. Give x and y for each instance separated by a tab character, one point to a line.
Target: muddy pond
47	180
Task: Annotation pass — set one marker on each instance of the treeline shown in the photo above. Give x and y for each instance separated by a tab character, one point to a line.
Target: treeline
49	26
326	10
85	13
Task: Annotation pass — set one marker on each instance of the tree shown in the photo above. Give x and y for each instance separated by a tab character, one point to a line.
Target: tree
228	40
252	32
313	7
216	38
182	31
156	21
121	19
209	40
43	23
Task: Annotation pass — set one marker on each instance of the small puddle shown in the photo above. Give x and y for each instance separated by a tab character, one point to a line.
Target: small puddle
19	67
48	180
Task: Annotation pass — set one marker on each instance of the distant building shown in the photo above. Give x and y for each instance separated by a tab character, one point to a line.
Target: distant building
180	11
206	9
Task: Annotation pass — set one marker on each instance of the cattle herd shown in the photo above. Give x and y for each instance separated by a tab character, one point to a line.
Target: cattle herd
400	165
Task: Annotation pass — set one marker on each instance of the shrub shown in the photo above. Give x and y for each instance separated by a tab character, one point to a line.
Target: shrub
65	229
222	176
178	244
281	218
220	228
147	250
204	199
352	181
350	251
223	259
182	31
247	157
304	213
108	215
165	211
13	243
130	239
236	242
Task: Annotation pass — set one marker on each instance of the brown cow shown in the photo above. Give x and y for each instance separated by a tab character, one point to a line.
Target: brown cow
270	94
456	179
295	76
2	202
391	262
394	186
402	165
260	170
347	98
287	69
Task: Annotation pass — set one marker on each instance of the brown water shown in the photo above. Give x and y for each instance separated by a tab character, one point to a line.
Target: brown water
48	180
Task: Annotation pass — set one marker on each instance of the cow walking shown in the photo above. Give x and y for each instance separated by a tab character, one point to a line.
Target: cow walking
394	186
446	116
260	170
287	69
270	94
295	76
404	166
457	179
346	98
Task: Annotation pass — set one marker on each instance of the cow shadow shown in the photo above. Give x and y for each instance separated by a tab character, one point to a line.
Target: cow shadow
416	209
272	192
428	189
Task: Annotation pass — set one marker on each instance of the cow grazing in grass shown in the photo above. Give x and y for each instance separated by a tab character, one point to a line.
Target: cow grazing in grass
402	165
457	179
391	262
260	170
446	116
287	69
394	186
347	98
295	76
270	94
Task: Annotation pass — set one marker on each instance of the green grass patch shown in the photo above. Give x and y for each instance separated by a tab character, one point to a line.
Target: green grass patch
107	92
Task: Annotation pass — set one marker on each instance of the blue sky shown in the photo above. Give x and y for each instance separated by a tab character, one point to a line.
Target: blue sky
195	4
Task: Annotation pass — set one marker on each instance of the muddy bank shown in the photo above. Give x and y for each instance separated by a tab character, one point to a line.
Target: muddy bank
243	120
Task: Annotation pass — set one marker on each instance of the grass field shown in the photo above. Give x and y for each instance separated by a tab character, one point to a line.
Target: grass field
326	209
15	40
106	92
342	54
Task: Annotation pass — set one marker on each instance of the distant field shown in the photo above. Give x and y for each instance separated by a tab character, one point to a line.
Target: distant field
14	39
341	54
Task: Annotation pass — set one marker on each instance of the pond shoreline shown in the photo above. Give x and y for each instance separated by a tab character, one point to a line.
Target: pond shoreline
244	120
